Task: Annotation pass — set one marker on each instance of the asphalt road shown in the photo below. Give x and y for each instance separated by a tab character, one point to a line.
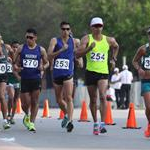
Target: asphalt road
50	135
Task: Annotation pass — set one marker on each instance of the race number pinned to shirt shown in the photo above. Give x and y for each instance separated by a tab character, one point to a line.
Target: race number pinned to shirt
30	63
9	68
147	63
97	56
2	68
61	63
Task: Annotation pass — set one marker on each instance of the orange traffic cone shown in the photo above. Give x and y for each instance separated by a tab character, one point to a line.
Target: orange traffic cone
18	108
131	121
84	114
61	115
46	109
108	119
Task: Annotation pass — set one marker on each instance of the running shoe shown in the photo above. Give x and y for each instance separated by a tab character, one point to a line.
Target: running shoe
26	121
12	121
102	128
64	122
69	126
31	127
96	129
6	124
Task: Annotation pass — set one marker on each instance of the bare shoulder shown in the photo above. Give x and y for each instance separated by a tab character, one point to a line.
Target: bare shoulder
76	40
43	50
111	40
142	49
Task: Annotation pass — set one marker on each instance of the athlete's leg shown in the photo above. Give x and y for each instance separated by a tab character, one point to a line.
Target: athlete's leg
59	97
147	105
10	92
16	97
4	104
102	88
68	90
92	90
25	102
34	104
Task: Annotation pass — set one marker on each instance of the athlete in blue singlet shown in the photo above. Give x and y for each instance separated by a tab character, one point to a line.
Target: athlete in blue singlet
31	55
61	51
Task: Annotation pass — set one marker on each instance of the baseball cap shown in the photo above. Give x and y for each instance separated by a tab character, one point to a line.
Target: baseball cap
96	20
116	70
125	67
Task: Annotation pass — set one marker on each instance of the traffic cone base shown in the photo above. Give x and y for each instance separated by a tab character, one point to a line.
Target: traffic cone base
131	120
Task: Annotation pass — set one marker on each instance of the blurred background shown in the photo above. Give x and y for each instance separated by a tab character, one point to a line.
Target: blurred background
126	20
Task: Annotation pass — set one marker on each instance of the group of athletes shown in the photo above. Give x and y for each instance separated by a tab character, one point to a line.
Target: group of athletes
22	66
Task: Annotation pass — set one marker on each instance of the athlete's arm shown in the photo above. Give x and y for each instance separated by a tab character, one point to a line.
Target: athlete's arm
83	48
15	59
44	59
78	61
10	52
114	47
137	57
51	53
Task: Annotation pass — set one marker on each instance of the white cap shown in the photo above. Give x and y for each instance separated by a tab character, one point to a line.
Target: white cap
125	67
96	20
116	70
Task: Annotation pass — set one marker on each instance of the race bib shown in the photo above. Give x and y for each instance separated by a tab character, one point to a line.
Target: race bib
61	64
147	63
2	68
30	63
9	68
97	56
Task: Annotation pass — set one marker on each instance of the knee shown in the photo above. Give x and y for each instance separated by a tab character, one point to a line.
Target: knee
102	97
93	101
69	98
2	97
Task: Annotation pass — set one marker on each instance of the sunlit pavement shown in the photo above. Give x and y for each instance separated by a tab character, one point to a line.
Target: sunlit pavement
50	135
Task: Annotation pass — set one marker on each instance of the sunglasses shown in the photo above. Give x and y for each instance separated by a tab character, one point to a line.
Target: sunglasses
29	37
65	29
97	26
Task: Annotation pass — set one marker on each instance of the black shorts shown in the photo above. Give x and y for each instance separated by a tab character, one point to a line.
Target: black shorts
91	78
3	78
60	80
30	85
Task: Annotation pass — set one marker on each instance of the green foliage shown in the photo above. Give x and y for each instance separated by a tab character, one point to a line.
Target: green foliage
123	19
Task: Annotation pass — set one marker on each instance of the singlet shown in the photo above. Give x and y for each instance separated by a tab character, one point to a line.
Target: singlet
30	62
64	63
97	58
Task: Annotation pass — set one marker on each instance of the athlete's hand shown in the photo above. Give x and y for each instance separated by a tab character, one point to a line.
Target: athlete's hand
65	47
9	59
17	68
92	45
113	64
41	68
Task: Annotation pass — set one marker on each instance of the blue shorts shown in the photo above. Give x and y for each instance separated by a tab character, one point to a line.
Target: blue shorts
145	87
